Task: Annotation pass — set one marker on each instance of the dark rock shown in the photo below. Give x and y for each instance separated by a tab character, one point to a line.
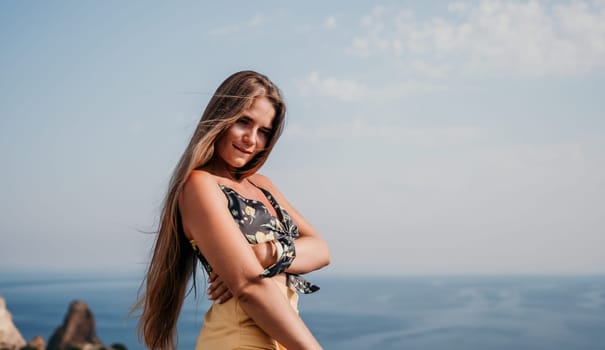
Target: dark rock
77	331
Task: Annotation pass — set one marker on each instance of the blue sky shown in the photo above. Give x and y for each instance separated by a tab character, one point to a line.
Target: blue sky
422	137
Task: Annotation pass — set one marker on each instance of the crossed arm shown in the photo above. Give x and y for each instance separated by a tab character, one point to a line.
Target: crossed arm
237	264
311	249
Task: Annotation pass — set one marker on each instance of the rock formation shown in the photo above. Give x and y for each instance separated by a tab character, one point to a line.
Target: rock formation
37	343
77	331
10	338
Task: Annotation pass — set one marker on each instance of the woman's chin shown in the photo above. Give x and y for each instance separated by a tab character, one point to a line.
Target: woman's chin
238	164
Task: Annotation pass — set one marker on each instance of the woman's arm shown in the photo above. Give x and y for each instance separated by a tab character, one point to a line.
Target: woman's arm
217	291
311	249
207	220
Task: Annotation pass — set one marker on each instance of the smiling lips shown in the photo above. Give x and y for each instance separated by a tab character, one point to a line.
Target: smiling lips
242	150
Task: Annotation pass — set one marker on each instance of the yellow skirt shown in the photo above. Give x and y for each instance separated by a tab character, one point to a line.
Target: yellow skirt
227	326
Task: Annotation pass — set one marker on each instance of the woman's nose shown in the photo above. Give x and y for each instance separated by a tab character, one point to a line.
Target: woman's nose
249	137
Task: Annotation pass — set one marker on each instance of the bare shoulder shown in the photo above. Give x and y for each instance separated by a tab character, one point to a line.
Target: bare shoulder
263	181
266	183
200	178
199	184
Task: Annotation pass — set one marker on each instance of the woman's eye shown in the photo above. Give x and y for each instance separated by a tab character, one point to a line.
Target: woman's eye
243	120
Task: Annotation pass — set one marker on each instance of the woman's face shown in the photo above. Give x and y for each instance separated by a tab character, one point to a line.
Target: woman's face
248	135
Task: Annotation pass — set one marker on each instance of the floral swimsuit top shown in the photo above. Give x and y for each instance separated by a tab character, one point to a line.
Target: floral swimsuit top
259	226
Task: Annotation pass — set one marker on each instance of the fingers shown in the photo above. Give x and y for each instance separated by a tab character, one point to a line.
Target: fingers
218	291
215	289
212	277
226	296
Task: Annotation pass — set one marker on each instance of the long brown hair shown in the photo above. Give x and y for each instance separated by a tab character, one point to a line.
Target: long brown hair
173	262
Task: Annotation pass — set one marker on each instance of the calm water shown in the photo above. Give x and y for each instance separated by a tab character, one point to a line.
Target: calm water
359	313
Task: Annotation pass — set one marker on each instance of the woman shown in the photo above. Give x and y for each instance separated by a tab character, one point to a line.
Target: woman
250	240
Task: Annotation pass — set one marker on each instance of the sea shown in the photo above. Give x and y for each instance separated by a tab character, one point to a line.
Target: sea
354	313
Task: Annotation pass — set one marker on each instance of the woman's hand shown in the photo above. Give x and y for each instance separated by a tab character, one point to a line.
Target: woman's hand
218	291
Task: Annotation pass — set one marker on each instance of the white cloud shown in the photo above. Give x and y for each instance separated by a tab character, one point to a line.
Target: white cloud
256	21
330	22
457	7
350	90
230	29
527	38
342	89
359	128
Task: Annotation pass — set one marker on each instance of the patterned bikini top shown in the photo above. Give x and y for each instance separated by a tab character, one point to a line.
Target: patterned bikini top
258	225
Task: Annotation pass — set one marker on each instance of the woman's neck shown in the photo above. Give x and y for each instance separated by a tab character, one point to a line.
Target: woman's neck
218	167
